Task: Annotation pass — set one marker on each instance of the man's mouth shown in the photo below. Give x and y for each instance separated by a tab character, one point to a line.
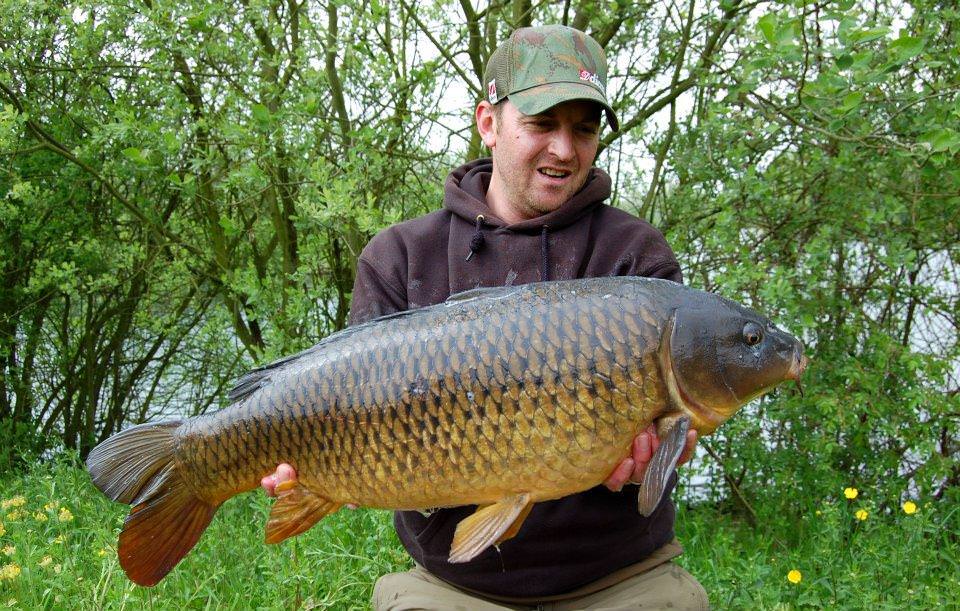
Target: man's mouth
552	173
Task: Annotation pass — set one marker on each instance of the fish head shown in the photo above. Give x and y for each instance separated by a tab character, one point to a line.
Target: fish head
717	356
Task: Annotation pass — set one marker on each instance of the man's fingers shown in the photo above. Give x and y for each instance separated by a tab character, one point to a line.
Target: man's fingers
642	447
620	475
269	484
633	468
284	473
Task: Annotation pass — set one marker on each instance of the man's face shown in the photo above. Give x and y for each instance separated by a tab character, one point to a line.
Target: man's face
540	161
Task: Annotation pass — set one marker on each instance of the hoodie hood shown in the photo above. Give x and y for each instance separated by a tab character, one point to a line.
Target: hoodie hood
465	192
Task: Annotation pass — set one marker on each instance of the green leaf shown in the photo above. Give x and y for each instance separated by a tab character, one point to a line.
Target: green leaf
171	142
869	34
787	33
844	61
943	139
137	156
261	113
851	101
768	27
229	227
197	22
906	47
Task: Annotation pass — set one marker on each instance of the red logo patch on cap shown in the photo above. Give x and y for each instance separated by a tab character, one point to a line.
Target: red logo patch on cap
492	91
590	77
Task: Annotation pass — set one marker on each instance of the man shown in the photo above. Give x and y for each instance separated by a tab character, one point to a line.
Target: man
534	212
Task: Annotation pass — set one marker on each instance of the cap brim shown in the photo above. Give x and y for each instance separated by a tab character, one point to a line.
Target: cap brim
535	100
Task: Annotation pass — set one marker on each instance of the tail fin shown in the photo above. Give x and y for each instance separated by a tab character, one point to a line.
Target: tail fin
136	466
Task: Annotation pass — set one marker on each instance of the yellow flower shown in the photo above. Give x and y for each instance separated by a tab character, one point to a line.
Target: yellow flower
862	514
9	550
50	506
46	560
57	568
850	493
59	539
40	516
64	515
794	576
3	530
819	513
909	508
15	515
103	552
17	501
9	571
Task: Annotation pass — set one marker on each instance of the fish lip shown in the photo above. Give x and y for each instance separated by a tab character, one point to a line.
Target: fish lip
704	419
798	366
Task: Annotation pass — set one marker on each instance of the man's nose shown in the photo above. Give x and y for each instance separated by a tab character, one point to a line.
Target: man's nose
562	144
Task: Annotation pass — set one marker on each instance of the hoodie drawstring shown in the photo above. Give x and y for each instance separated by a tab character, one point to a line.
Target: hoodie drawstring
476	242
545	254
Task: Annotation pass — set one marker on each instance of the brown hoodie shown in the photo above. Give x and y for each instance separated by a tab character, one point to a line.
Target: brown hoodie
570	542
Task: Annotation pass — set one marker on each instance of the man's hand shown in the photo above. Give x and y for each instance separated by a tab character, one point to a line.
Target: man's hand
284	473
631	469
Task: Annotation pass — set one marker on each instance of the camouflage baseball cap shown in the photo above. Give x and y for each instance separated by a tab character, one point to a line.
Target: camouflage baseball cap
540	67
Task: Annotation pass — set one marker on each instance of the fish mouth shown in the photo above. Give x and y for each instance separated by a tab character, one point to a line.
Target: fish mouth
797	367
705	420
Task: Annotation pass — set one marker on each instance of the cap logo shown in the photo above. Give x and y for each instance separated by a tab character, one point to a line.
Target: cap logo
492	91
590	77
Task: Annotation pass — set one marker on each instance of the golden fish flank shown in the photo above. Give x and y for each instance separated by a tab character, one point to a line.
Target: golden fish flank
498	397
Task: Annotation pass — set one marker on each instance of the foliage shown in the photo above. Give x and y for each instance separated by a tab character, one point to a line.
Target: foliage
888	561
64	537
809	186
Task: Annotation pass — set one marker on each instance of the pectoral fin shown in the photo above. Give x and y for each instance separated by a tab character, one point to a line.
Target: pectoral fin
296	510
488	526
672	432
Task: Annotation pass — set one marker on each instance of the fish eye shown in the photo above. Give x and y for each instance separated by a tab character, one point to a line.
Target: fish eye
752	334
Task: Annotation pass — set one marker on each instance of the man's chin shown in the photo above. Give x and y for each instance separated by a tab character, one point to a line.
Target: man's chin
549	204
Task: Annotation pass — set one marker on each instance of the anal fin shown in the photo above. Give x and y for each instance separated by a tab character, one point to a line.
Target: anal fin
488	526
296	510
672	432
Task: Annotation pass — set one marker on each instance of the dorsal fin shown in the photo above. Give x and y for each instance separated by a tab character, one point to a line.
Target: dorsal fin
483	292
259	377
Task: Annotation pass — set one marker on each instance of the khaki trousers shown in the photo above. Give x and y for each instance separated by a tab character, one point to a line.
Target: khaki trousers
665	586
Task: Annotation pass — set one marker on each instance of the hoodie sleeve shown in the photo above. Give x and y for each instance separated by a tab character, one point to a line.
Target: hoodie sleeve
644	252
377	289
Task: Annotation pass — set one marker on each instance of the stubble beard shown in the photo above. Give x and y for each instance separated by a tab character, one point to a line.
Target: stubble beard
524	198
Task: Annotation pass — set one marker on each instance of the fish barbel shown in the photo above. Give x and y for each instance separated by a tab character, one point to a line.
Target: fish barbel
498	397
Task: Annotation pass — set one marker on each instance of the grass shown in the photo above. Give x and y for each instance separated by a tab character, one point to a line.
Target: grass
61	535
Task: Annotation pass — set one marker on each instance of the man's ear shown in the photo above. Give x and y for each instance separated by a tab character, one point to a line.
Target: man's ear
486	123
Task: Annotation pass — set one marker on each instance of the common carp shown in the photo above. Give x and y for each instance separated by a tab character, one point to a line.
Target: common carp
497	397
